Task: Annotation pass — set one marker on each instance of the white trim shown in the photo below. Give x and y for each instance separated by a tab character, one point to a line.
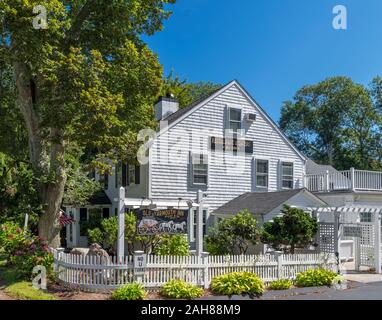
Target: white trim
281	174
255	173
230	106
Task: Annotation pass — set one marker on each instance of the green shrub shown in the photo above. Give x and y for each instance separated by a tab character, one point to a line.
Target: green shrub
172	245
24	251
315	278
238	283
132	291
179	289
281	284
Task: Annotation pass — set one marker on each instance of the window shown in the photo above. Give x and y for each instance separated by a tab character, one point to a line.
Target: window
262	172
234	118
199	169
194	216
83	214
116	211
105	213
366	217
134	174
104	181
287	175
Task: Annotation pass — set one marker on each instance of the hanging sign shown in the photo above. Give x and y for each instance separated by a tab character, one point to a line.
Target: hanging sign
352	231
167	221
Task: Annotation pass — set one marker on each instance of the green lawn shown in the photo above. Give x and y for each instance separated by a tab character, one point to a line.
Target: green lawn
18	288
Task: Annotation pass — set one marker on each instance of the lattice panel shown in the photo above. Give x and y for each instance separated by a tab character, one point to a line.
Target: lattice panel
326	237
367	245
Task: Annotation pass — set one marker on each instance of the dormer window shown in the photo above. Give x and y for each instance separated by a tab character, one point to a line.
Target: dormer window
234	119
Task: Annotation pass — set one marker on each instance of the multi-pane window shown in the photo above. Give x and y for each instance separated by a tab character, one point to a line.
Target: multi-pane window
194	225
199	169
366	217
287	175
132	174
104	181
234	117
262	172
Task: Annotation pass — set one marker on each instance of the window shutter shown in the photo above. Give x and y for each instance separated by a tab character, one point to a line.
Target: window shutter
137	174
125	173
127	181
190	171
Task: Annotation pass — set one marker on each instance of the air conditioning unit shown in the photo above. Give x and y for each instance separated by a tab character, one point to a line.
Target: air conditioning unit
250	117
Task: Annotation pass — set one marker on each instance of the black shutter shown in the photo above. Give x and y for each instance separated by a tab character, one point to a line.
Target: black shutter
125	174
105	213
127	182
137	174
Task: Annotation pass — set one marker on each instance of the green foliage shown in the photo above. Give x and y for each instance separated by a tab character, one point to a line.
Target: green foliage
95	235
179	289
281	284
106	232
18	195
336	122
233	234
295	228
24	251
238	283
85	83
172	245
187	93
131	291
315	278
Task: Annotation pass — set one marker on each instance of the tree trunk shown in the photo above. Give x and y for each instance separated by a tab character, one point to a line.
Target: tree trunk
44	165
292	248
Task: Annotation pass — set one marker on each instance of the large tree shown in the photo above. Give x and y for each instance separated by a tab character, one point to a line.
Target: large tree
334	122
187	92
85	82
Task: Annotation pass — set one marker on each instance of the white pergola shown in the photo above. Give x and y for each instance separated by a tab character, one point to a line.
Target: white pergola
351	215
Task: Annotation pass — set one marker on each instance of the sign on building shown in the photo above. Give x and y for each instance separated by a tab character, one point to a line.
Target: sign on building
352	231
231	145
168	221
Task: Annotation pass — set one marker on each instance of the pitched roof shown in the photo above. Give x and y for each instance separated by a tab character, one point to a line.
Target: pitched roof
176	115
315	168
182	113
260	203
99	198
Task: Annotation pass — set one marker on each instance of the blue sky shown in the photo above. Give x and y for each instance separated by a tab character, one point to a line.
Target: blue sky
273	47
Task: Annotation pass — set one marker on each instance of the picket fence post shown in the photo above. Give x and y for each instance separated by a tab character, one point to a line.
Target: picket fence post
139	266
279	259
206	280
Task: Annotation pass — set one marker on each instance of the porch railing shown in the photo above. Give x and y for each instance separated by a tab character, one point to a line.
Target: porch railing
355	180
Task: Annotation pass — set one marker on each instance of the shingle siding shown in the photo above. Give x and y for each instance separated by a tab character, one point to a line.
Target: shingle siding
227	180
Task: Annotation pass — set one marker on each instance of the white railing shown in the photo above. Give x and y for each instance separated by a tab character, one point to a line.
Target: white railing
344	180
95	273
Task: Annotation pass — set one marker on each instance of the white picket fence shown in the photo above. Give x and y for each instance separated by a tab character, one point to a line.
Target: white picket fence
95	273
